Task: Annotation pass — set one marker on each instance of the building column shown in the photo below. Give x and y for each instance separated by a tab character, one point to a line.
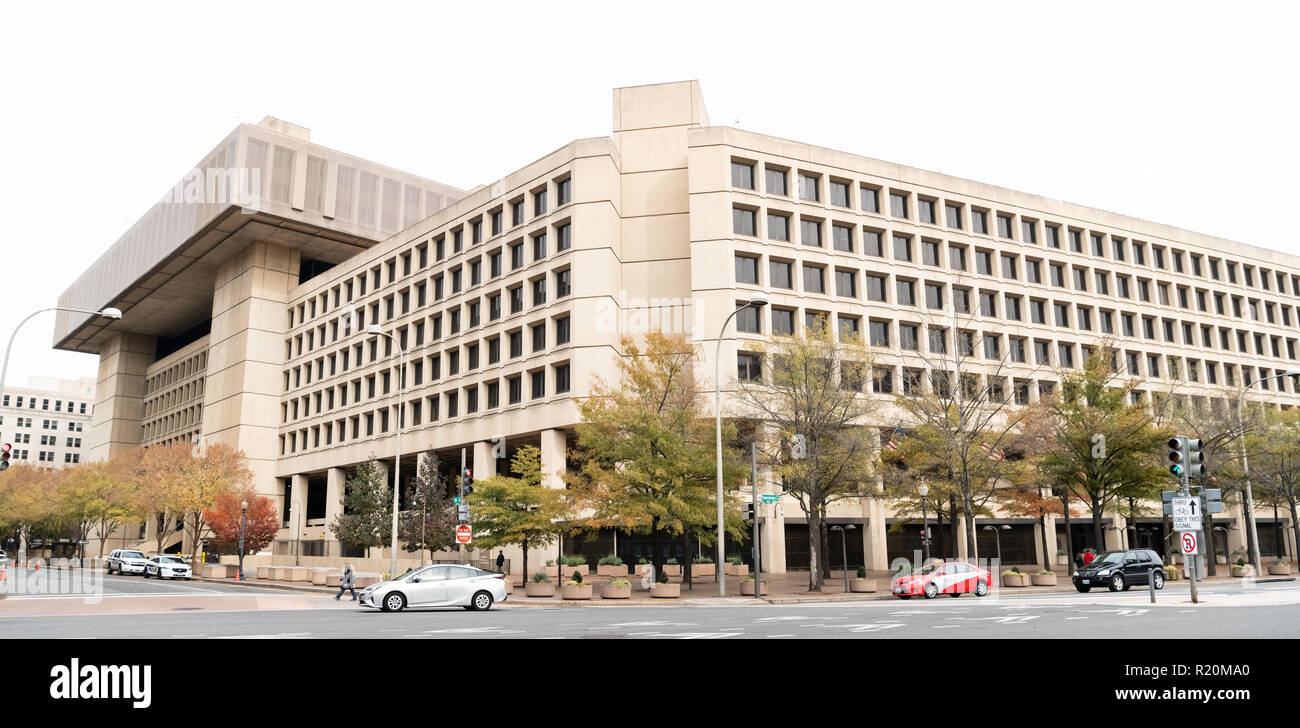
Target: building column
485	466
119	395
961	539
874	542
1052	545
553	463
1112	537
335	482
772	536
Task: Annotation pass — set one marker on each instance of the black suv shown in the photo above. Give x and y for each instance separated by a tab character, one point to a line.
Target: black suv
1119	570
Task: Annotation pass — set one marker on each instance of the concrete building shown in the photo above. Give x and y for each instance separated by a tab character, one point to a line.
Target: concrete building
244	323
48	421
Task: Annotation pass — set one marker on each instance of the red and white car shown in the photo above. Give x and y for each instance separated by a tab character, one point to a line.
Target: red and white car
954	579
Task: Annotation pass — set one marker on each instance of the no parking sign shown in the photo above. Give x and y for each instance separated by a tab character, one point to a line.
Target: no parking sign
1189	543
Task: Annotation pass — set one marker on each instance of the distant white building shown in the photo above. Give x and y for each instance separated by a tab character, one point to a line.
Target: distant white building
48	421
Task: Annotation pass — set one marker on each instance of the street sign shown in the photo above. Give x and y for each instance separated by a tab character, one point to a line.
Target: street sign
1189	543
770	498
1212	493
1168	495
1187	514
456	500
463	534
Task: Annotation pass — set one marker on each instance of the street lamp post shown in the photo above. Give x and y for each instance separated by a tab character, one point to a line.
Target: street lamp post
924	489
844	550
997	533
1245	468
243	519
109	313
376	330
757	300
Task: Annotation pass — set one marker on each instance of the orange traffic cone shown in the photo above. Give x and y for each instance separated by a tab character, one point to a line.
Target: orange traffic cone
38	566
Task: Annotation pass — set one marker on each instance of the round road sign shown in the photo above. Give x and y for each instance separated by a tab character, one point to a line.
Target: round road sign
1189	543
463	533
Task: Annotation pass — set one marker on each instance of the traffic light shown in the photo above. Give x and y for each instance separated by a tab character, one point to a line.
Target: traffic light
4	455
749	511
1195	458
1177	455
466	482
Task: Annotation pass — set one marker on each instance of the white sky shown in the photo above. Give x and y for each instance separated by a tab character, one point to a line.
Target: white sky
1178	113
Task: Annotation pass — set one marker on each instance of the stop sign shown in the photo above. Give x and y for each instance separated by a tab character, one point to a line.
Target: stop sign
463	534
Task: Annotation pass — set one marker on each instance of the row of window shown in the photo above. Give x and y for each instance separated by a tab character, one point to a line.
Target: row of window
421	369
417	257
73	407
1010	266
183	369
45	424
450	404
815	187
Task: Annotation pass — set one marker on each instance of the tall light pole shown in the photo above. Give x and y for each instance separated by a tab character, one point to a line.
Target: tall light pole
376	330
108	313
844	550
1245	468
757	300
997	532
243	519
924	489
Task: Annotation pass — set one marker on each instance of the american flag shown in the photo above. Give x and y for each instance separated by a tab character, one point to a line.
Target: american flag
894	439
998	454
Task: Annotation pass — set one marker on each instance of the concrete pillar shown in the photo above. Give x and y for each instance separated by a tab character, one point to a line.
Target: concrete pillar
553	463
1052	545
1113	538
485	466
119	394
961	540
297	507
874	542
772	536
335	481
241	401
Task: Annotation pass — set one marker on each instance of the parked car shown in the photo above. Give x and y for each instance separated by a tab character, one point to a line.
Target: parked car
1119	570
4	557
166	566
126	561
442	585
954	579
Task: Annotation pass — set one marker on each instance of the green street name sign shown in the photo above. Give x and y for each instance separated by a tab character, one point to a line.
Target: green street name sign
770	498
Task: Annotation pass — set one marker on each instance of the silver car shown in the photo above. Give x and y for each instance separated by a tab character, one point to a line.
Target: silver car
165	566
126	561
437	586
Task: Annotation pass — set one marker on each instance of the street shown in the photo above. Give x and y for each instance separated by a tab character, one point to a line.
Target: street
133	607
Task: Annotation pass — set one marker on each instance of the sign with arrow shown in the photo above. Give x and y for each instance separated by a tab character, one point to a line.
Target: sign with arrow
1187	514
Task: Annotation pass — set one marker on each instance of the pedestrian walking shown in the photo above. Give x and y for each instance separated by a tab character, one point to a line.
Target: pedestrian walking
347	583
501	560
1078	559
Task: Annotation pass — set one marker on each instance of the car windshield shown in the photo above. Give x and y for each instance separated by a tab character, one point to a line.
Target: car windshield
132	555
930	569
1110	557
171	560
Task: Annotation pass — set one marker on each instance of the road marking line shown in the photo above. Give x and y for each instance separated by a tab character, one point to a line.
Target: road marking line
281	635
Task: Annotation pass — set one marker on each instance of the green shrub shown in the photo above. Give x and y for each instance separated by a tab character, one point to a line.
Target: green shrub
550	562
702	559
671	562
862	572
541	578
578	560
619	581
750	580
661	577
610	560
735	560
1241	562
1044	572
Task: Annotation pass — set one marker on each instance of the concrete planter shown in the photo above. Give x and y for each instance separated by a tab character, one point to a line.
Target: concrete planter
218	571
264	571
1241	572
1279	569
533	589
567	571
575	591
1173	574
1043	579
611	570
673	569
735	569
1014	580
862	586
666	591
747	589
1062	560
365	580
703	570
616	592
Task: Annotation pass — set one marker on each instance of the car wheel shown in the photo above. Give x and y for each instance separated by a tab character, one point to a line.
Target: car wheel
954	595
931	591
481	602
982	589
394	602
1083	589
1160	580
146	573
903	596
1117	583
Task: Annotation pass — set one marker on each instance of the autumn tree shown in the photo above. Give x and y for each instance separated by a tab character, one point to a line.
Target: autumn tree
217	470
366	520
27	503
225	515
102	495
519	510
646	460
430	517
1105	446
813	386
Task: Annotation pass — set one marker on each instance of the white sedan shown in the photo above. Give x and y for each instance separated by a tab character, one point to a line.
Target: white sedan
167	567
438	586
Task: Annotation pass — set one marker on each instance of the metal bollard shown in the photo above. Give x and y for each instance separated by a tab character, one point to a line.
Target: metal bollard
1151	584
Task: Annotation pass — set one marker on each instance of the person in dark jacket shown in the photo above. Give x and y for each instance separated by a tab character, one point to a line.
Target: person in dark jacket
501	560
347	583
1078	559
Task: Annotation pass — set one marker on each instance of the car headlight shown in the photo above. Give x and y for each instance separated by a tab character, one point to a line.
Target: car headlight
1104	572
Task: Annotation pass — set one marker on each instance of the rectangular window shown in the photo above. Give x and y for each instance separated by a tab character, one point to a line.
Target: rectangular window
875	287
898	204
774	180
1004	226
953	215
808	187
814	279
872	243
779	274
782	321
746	269
742	175
846	283
743	221
810	232
925	210
842	238
839	193
870	199
902	248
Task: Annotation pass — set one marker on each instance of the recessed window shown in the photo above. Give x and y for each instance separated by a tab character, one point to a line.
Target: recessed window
779	274
979	222
898	204
814	279
775	181
808	187
810	232
746	269
842	238
870	199
839	193
902	248
743	221
778	227
1004	226
872	243
925	210
742	175
953	215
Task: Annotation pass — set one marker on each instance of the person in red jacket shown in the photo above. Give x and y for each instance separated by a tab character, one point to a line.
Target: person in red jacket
1088	556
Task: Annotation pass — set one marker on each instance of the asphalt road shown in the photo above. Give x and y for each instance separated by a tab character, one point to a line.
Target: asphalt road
1229	611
